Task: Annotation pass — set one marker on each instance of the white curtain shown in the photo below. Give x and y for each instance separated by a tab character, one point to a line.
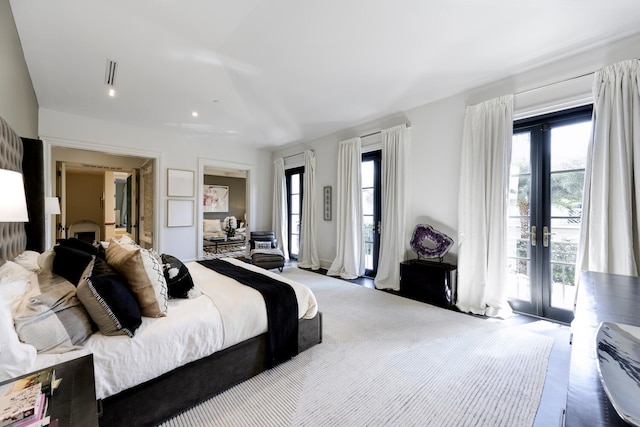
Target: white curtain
349	261
393	236
482	208
279	213
308	256
610	228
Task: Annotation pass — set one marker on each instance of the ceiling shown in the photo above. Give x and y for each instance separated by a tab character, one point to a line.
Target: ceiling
272	72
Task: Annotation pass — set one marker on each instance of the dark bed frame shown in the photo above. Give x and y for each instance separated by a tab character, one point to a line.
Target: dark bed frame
152	402
156	400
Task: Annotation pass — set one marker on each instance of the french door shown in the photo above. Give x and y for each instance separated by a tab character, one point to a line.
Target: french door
294	178
545	199
371	210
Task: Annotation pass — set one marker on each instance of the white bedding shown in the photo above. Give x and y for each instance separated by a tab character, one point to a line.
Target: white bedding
226	314
242	308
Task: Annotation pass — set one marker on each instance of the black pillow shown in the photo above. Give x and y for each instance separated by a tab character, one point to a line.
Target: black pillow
70	263
108	299
78	244
179	281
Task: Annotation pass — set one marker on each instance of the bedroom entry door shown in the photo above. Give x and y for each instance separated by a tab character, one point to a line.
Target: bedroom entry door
548	161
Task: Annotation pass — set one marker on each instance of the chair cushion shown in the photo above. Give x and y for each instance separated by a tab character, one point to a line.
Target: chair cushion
267	258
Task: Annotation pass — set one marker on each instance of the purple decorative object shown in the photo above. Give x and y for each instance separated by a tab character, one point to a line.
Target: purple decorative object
441	241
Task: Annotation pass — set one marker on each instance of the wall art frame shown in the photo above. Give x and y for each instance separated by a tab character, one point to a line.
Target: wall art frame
180	183
180	213
215	198
327	202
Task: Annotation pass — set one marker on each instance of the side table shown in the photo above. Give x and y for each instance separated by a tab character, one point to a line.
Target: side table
429	281
73	403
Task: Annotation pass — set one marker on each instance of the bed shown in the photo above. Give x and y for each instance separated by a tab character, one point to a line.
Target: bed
197	348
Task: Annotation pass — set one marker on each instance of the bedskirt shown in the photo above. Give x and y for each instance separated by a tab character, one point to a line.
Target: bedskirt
154	401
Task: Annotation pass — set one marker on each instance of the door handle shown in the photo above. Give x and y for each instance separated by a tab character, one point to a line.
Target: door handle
545	236
532	235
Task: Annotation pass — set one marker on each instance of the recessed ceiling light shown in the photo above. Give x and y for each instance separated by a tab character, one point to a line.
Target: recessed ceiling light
112	92
194	114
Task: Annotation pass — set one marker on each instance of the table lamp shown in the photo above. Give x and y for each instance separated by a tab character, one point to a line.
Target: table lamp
13	203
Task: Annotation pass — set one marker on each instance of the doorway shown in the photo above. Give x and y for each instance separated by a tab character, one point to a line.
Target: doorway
97	205
548	162
242	213
231	185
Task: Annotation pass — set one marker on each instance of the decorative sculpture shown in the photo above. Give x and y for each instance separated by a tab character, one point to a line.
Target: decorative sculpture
441	241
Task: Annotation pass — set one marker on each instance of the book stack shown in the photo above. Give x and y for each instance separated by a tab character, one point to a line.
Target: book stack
24	402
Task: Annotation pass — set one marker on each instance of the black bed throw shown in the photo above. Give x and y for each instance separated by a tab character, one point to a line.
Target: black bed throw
282	309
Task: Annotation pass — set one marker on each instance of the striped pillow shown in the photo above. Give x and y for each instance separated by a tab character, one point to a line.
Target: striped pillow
55	321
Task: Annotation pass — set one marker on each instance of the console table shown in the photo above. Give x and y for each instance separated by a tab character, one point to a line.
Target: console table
429	281
601	298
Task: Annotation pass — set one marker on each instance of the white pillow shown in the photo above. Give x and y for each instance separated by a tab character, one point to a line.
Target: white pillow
16	358
212	225
29	260
12	272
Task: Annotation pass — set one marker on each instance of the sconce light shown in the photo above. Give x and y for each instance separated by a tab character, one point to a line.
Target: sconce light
13	203
51	206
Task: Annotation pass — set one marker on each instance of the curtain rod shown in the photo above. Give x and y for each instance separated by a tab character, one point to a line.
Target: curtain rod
376	133
297	154
555	83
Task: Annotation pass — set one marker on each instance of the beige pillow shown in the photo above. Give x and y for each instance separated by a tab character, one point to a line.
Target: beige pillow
212	225
129	263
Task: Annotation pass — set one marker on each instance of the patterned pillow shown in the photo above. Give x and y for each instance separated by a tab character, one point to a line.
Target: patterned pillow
108	299
263	245
178	278
55	321
129	263
153	268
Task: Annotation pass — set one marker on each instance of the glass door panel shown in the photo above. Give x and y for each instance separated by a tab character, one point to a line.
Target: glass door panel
520	256
568	160
370	170
294	179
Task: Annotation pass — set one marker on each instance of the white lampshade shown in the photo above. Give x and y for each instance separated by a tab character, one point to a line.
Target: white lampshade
13	203
51	206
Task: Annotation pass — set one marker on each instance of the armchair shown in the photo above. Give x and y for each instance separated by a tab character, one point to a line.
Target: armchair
263	251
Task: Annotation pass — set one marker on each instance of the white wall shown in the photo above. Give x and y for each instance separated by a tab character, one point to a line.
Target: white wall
172	151
18	103
436	134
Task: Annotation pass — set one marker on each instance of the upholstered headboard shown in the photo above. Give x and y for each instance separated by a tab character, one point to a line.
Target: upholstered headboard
23	155
13	239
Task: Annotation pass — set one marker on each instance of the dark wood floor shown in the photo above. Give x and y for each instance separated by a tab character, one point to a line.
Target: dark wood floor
554	394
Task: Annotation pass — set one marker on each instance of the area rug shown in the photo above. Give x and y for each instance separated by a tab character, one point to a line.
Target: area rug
390	361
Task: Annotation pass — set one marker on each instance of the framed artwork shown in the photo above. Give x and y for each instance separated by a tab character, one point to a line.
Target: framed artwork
179	213
180	183
327	203
215	198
